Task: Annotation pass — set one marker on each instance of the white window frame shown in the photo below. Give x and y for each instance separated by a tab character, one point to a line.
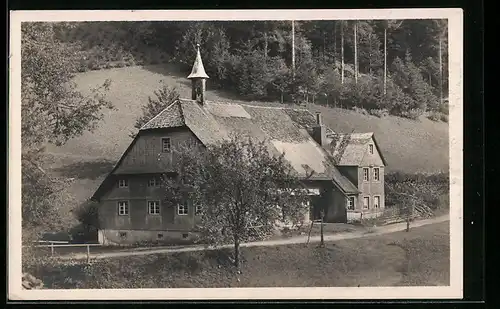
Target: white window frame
375	198
156	208
375	178
371	148
349	205
123	208
154	182
163	144
182	209
125	183
366	176
366	206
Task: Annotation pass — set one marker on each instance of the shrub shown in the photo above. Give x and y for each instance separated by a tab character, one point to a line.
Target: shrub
444	118
360	110
434	116
431	190
379	112
413	113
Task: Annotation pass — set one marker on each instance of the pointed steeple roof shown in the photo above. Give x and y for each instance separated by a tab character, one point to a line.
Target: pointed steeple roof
198	70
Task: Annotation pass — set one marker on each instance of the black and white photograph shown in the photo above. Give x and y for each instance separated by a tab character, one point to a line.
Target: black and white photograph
190	154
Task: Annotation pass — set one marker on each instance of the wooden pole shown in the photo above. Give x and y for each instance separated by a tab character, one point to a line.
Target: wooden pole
385	60
322	244
88	254
310	230
51	249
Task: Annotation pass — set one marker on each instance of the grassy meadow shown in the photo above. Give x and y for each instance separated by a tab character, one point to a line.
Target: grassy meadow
416	258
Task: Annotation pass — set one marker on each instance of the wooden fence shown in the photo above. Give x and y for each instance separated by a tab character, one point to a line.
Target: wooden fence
52	244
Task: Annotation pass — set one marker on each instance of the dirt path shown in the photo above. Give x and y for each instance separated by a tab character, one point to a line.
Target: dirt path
277	242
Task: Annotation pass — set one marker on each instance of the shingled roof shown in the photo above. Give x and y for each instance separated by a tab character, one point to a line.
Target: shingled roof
348	149
283	130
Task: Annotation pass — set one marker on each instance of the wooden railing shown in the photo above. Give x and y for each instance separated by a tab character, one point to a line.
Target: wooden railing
64	244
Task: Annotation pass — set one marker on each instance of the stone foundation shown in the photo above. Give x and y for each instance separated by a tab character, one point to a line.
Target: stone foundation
131	237
358	215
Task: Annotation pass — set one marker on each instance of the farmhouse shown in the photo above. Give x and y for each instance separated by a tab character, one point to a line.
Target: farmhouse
345	172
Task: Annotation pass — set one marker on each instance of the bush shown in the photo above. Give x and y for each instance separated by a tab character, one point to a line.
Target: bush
412	113
444	118
379	112
434	116
431	190
360	110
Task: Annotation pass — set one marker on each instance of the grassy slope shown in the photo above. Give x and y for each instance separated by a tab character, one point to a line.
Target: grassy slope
418	258
407	145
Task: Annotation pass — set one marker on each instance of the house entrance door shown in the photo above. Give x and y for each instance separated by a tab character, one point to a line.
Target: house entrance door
316	207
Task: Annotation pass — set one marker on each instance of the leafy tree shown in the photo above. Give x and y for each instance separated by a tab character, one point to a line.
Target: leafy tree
241	188
52	111
408	76
213	43
164	97
282	80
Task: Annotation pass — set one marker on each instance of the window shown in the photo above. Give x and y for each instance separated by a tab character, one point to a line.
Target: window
350	203
376	201
366	202
376	174
198	210
123	208
165	144
154	182
154	207
123	234
123	183
160	236
366	174
182	209
370	147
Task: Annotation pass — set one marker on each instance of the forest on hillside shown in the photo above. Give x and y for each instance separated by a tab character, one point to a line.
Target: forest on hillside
381	67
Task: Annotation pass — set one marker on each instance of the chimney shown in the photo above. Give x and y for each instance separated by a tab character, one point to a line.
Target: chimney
319	132
198	78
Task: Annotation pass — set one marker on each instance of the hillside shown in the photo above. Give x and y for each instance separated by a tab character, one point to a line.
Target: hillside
409	146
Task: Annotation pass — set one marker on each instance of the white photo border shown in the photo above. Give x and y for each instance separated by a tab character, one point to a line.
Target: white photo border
455	39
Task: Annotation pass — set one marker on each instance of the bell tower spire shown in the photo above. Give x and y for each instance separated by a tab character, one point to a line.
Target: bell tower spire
198	78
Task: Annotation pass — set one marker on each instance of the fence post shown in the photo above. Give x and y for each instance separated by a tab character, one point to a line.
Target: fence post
322	244
51	249
88	254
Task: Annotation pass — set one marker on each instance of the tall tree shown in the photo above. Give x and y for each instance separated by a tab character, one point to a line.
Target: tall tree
293	49
163	98
388	26
241	190
442	31
342	68
52	111
355	27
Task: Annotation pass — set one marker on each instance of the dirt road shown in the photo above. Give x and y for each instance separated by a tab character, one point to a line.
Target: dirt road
277	242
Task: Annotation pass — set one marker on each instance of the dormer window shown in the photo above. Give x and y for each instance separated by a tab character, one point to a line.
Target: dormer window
370	147
165	144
